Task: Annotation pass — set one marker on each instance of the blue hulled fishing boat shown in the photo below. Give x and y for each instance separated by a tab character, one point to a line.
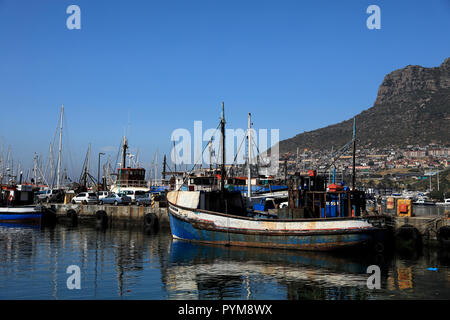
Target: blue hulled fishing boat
222	217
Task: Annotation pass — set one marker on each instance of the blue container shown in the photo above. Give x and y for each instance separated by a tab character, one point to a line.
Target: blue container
332	207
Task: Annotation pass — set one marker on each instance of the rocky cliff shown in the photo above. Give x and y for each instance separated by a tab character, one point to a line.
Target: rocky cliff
412	107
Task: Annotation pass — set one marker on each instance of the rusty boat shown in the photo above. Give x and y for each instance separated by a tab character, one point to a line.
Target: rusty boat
221	218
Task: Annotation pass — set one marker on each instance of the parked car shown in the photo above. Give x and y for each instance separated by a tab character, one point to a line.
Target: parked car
147	199
116	199
57	196
38	195
284	204
102	194
144	200
133	194
85	198
50	195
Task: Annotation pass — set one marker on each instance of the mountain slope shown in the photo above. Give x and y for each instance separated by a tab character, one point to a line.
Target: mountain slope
412	107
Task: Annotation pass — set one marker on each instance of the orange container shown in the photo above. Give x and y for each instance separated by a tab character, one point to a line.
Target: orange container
404	208
390	203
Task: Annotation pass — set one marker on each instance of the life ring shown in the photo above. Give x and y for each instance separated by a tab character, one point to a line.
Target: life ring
11	198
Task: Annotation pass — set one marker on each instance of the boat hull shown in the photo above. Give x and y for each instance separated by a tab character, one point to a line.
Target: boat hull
317	235
20	215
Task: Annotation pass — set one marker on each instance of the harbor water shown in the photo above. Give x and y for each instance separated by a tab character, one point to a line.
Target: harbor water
119	263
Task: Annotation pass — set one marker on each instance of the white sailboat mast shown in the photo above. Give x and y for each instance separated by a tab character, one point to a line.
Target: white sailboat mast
58	172
249	157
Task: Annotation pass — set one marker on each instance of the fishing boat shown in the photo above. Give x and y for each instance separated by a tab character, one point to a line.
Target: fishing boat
199	216
222	217
16	205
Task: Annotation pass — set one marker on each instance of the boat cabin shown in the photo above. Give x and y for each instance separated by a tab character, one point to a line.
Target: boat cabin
229	202
16	195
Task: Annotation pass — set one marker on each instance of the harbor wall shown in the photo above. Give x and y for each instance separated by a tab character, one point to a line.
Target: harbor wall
128	214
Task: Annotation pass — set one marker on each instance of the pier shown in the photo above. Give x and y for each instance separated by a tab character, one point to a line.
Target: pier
114	215
431	230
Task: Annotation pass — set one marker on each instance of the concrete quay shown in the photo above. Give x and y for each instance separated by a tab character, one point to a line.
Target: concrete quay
115	215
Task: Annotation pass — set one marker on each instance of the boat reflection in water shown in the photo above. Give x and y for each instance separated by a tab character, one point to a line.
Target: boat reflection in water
197	271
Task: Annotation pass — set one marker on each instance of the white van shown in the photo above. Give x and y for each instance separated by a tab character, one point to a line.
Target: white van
102	194
133	193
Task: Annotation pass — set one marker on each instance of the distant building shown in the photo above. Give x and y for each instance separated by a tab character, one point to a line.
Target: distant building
415	154
439	152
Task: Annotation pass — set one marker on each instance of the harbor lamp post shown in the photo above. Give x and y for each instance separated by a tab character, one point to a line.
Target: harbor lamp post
98	170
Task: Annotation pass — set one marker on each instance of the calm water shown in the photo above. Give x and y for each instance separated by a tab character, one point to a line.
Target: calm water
124	264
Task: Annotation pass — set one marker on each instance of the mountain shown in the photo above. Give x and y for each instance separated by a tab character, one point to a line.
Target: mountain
412	107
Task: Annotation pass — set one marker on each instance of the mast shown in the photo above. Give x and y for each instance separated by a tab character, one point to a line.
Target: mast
354	156
210	154
164	168
124	159
124	152
222	166
87	167
58	172
1	163
249	157
52	172
35	168
136	161
156	166
175	154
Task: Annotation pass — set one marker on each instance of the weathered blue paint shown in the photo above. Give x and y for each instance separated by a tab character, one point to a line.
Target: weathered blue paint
20	216
186	231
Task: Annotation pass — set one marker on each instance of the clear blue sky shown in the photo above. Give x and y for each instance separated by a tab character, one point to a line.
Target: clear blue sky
160	65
